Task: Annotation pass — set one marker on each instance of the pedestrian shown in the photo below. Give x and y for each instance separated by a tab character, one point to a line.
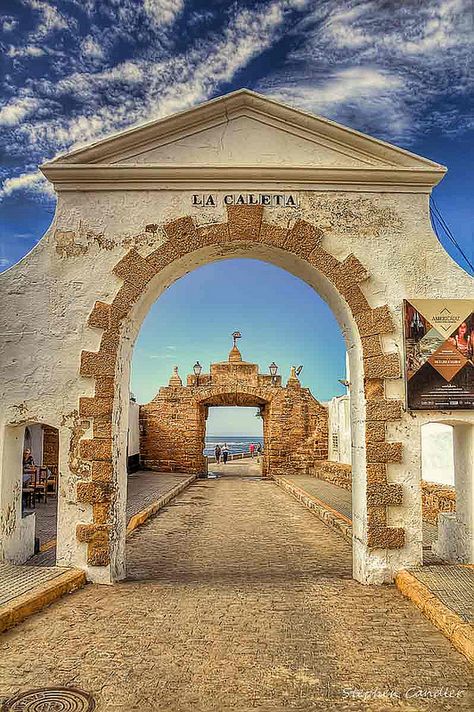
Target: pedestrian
259	449
225	454
217	453
252	449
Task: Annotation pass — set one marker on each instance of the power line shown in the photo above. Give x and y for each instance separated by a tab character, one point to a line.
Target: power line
436	217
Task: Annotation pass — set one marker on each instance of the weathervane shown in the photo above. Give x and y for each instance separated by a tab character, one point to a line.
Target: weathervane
236	335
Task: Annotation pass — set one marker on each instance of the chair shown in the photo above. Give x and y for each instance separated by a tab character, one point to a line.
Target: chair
53	479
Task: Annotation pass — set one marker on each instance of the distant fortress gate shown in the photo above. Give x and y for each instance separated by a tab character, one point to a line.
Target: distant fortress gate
240	176
173	424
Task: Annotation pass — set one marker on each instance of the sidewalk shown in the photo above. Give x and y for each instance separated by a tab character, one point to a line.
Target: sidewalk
28	588
444	593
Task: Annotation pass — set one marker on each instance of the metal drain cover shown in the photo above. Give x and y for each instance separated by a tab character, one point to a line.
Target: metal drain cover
50	699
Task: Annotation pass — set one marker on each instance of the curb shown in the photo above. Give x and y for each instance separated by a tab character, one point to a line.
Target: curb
21	607
337	521
459	633
141	517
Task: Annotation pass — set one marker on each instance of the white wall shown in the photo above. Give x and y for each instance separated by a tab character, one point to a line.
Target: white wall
133	439
35	442
339	429
437	456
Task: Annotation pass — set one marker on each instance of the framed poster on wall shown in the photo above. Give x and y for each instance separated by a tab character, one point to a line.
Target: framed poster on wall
439	354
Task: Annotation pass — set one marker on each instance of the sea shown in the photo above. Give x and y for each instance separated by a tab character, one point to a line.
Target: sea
235	443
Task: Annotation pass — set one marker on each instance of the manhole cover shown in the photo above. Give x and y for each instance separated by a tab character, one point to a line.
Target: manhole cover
50	699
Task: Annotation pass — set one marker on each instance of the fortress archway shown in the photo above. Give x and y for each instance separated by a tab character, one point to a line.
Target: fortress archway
128	224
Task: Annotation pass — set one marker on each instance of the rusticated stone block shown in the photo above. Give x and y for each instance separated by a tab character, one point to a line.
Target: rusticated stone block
94	492
352	267
92	407
125	297
158	259
386	538
182	229
134	268
371	346
303	238
97	364
374	388
215	233
384	495
102	471
101	512
102	427
244	221
355	299
384	452
385	366
376	473
375	321
381	409
98	554
96	449
104	386
109	342
273	234
92	532
377	516
323	261
99	317
375	431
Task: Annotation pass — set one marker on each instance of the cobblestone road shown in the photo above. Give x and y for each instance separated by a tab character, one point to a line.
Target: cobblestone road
238	599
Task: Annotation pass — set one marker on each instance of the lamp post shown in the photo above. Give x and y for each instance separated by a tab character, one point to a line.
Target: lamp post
273	368
197	368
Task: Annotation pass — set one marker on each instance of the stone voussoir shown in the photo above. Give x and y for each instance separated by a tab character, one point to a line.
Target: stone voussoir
375	321
384	452
383	409
99	317
386	537
94	492
244	221
384	494
384	366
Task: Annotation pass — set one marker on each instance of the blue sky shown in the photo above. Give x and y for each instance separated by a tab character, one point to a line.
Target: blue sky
73	71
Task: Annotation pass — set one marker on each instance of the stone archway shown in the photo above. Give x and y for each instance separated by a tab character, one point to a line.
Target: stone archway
357	230
173	424
245	225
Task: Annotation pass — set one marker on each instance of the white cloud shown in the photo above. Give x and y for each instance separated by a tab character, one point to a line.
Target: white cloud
25	51
51	19
163	12
92	48
9	23
34	182
16	110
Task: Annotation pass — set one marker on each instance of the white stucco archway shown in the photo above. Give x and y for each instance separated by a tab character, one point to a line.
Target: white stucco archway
130	220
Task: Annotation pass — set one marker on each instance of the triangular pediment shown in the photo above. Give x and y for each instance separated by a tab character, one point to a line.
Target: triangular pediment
242	130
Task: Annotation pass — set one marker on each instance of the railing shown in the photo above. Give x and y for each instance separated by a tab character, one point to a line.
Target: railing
235	456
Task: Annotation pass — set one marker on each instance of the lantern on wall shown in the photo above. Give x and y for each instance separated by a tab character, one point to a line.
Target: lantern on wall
197	368
273	368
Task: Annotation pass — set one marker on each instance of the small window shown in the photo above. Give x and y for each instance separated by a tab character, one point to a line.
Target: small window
335	441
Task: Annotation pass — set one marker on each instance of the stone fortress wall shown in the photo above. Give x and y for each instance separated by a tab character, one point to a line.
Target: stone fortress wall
173	424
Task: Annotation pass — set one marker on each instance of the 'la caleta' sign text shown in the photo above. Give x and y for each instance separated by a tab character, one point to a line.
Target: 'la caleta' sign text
271	200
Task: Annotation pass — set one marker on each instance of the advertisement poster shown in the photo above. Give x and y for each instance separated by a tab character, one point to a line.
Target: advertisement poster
439	354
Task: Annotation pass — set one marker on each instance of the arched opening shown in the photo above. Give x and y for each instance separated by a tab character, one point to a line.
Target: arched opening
30	494
447	455
289	263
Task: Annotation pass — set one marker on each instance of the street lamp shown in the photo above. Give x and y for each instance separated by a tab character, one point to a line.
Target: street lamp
197	368
273	368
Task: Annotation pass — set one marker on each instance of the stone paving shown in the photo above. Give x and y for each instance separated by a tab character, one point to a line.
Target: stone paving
341	500
238	598
144	488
